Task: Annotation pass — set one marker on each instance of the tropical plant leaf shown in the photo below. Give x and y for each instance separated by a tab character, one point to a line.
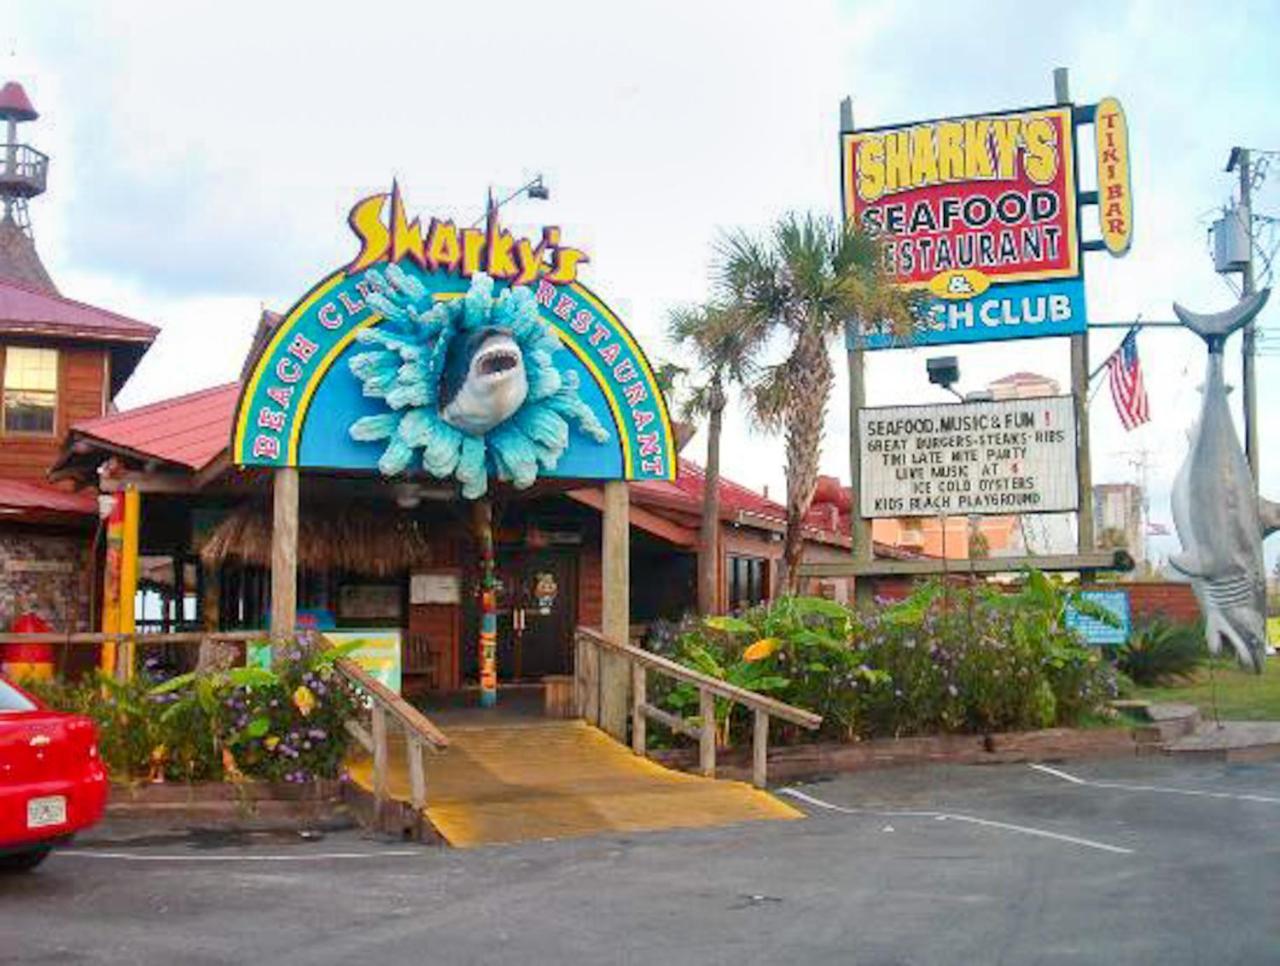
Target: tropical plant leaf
730	625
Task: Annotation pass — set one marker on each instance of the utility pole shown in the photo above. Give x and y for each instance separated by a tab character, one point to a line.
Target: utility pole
1240	159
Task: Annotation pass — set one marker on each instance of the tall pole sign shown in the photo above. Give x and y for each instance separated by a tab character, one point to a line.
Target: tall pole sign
981	216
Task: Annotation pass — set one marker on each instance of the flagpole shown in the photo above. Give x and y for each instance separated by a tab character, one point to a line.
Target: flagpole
1134	327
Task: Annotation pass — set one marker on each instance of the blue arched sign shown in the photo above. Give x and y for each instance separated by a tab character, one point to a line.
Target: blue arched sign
465	354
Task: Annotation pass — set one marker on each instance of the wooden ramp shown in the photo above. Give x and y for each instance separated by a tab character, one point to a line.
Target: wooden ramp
515	782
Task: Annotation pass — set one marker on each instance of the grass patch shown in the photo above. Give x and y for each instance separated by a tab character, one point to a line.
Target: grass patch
1241	695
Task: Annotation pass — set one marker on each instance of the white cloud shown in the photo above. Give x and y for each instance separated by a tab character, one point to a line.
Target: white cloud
205	155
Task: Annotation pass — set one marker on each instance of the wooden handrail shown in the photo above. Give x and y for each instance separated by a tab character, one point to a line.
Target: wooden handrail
721	689
420	733
184	637
591	643
409	717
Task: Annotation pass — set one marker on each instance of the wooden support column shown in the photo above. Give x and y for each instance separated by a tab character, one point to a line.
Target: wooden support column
616	553
284	552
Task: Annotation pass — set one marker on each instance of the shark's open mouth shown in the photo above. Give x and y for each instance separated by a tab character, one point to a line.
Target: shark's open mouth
496	361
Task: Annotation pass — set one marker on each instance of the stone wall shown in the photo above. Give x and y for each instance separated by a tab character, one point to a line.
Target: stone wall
48	573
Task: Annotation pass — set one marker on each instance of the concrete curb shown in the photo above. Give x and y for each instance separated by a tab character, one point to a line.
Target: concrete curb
798	762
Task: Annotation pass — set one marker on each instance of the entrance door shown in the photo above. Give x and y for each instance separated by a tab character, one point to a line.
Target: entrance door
544	604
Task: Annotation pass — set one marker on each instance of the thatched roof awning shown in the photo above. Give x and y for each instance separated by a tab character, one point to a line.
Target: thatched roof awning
354	541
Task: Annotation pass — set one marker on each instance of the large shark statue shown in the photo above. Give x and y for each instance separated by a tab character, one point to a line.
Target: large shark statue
1216	509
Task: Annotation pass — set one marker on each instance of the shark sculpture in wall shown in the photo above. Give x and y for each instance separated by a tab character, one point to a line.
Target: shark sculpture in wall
1219	518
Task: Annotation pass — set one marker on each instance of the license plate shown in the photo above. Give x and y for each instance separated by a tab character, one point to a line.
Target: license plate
51	810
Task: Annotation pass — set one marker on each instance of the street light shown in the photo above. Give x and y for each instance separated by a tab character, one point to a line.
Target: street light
535	189
944	371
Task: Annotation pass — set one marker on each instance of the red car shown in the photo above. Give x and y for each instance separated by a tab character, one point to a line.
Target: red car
52	781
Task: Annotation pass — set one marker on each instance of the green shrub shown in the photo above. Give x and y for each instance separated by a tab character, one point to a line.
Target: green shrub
968	660
1159	651
283	724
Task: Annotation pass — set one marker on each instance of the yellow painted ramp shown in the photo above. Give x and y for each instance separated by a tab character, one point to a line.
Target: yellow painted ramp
562	779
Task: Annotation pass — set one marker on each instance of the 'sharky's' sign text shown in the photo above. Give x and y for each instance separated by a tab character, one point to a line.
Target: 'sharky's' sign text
978	212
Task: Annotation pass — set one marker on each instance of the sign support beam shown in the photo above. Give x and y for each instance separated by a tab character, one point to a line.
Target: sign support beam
1079	388
615	549
861	544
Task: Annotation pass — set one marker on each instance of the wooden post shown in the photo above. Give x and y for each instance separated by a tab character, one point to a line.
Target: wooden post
616	553
417	772
1080	393
707	733
378	720
638	699
284	553
760	750
860	542
587	671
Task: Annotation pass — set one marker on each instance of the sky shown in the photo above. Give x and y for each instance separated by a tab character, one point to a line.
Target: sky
204	157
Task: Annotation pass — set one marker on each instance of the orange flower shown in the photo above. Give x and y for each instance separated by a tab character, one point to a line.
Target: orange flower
761	649
304	700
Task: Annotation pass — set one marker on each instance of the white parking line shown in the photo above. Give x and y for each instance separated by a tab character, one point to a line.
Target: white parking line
306	857
955	817
1162	789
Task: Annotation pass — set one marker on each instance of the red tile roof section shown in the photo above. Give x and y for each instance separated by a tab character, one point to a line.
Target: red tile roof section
24	496
686	492
24	309
190	430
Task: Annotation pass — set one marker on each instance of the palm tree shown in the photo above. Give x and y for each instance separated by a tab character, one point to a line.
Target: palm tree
795	288
719	355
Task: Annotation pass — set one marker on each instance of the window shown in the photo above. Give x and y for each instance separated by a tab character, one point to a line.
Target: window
30	390
747	584
13	700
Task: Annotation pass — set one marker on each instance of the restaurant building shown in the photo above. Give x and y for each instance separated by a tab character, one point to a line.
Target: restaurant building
411	567
61	362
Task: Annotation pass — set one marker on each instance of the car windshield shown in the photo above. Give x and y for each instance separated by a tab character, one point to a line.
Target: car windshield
11	699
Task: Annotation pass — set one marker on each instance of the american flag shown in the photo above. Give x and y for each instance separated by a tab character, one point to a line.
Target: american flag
1127	390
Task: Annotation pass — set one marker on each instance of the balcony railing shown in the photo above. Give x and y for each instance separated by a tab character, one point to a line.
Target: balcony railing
23	170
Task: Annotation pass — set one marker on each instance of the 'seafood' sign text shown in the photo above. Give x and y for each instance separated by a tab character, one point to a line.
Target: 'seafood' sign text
993	458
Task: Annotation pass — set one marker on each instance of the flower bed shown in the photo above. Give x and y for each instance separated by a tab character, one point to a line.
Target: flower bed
285	724
944	661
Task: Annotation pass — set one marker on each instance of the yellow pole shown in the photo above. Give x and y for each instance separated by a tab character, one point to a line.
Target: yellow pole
129	574
111	583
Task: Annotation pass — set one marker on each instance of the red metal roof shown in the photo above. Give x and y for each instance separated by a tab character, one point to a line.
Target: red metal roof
14	102
28	311
22	496
686	494
190	430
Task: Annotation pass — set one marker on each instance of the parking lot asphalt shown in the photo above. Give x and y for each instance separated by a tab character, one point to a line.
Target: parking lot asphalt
1134	861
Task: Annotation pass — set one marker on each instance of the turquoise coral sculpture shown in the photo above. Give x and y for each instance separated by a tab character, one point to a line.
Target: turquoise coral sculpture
471	382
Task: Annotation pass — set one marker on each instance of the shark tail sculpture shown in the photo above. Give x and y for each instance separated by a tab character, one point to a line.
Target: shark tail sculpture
1216	511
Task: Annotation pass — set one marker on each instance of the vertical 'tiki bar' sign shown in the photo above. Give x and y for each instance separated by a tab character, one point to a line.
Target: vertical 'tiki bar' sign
466	354
1115	191
980	214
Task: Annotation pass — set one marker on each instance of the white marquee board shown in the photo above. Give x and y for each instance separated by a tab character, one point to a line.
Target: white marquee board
962	459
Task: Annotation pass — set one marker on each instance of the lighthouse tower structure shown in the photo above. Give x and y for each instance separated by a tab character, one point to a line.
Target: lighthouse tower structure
24	174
